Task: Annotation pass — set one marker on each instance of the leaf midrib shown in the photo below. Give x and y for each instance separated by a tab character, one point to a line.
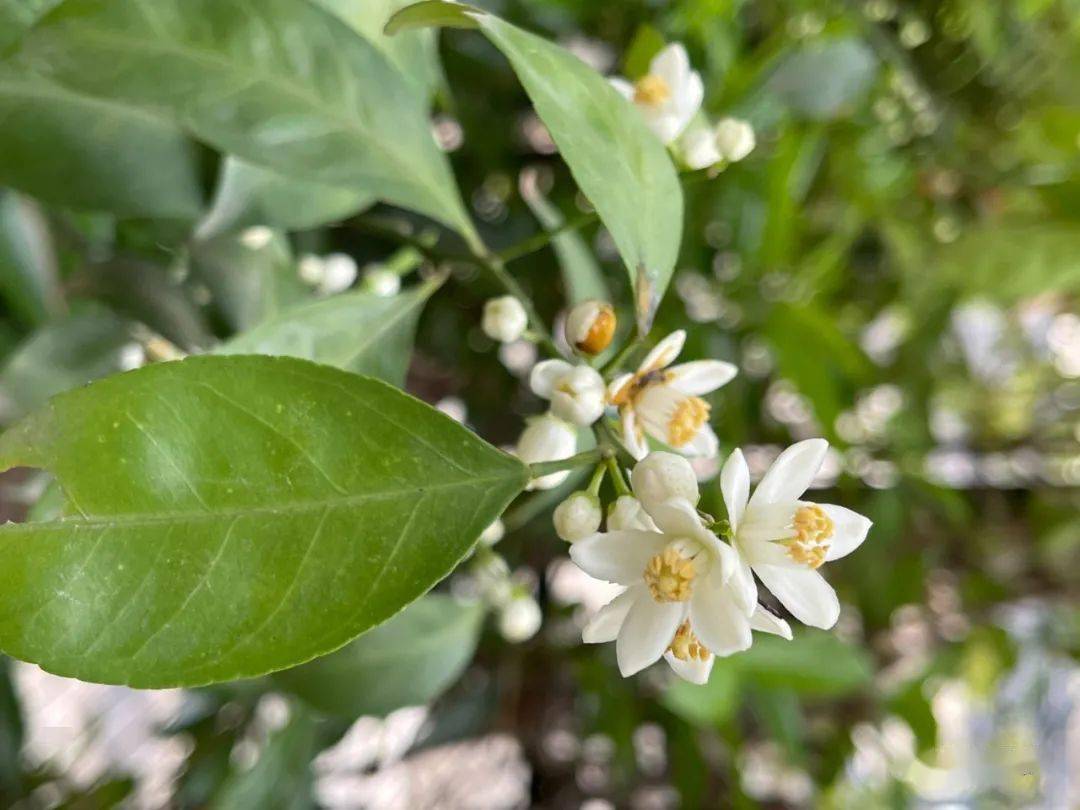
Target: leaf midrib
349	125
153	518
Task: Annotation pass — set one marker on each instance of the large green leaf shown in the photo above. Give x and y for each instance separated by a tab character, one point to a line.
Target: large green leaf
62	354
253	195
409	660
281	83
617	162
237	515
360	332
72	150
29	283
17	17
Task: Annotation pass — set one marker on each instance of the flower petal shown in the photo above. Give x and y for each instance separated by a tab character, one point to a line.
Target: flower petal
617	385
717	620
701	376
617	556
605	625
648	630
764	621
804	592
704	443
634	440
546	375
625	88
672	64
664	353
849	530
742	584
699	148
792	473
693	671
735	486
688	101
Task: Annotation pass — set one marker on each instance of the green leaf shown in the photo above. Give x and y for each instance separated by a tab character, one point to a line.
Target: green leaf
617	162
19	16
29	283
581	273
825	79
410	660
64	354
360	332
248	284
237	515
814	663
253	195
280	83
711	704
281	778
72	150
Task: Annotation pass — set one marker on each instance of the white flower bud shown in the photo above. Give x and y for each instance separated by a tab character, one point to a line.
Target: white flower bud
579	396
735	139
382	282
520	618
577	517
339	272
661	476
256	237
493	533
547	438
628	513
504	319
699	147
590	326
310	269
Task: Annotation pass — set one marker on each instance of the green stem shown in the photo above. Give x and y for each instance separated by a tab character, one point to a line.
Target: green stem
544	238
597	479
615	363
617	479
594	456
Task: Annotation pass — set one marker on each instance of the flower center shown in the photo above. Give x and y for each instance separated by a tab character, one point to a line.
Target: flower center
669	575
651	90
686	646
813	531
686	420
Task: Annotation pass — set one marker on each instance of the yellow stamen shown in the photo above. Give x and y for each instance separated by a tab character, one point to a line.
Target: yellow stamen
669	575
651	90
813	531
686	421
686	646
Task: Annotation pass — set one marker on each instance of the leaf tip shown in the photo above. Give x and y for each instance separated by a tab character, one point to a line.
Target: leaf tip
432	13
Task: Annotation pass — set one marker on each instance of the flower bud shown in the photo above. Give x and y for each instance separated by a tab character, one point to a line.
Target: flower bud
577	517
547	438
520	618
493	533
734	139
382	282
628	513
577	393
590	326
339	272
504	319
661	476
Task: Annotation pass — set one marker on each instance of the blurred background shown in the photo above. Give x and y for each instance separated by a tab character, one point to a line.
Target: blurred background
896	267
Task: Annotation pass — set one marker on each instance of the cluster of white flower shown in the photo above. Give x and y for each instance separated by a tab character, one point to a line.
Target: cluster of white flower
669	97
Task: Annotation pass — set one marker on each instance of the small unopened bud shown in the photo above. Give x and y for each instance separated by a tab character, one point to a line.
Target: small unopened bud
661	476
577	517
734	139
590	326
339	272
520	618
547	438
628	513
493	533
504	319
382	282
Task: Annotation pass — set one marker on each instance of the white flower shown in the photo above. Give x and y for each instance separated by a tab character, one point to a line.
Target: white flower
685	591
576	392
731	140
339	272
547	438
665	403
382	282
310	269
590	326
577	517
504	319
669	95
785	539
520	618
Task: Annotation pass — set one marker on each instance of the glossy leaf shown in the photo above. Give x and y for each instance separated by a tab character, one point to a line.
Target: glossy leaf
617	162
281	83
247	194
29	282
72	150
359	332
408	661
63	354
237	515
